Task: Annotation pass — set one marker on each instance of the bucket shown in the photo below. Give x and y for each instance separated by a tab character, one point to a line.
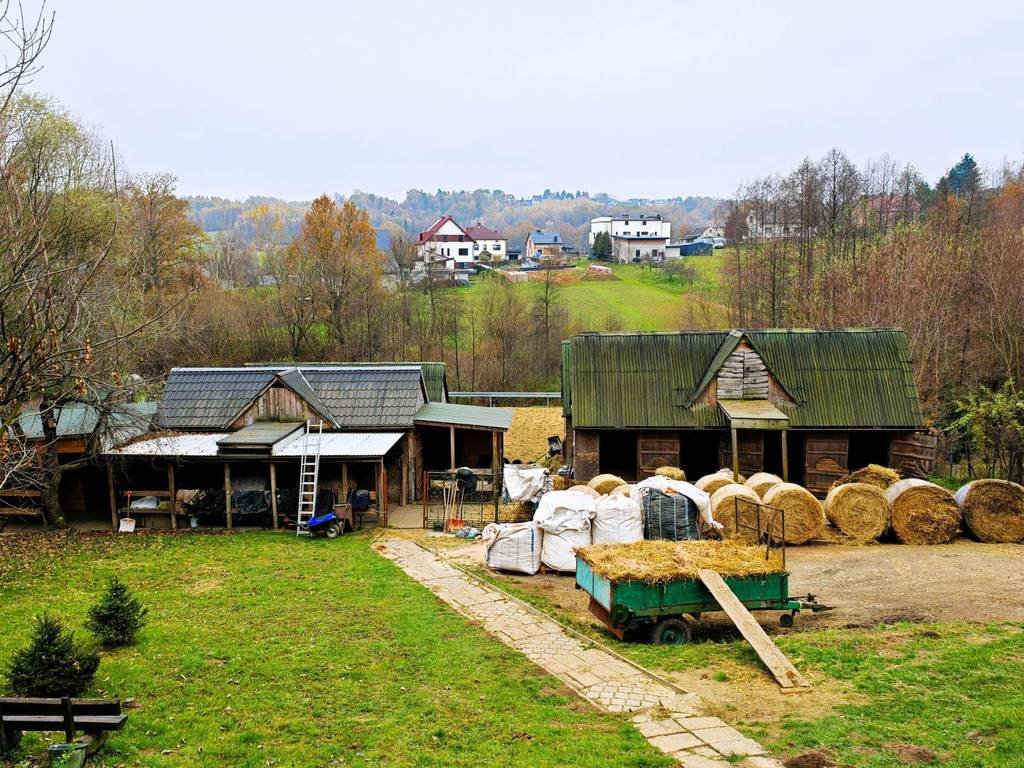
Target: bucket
193	521
66	755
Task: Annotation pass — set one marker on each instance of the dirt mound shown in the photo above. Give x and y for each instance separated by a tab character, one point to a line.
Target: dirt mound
816	758
911	754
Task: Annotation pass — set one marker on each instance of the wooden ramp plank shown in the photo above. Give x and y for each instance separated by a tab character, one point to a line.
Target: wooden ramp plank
785	673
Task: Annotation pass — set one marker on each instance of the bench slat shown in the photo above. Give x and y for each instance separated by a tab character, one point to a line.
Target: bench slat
40	706
56	722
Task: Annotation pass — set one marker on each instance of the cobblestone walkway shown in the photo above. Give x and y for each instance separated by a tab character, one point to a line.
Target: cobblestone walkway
670	719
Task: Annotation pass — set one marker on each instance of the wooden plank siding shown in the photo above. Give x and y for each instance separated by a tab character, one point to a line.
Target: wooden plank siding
656	449
276	404
912	454
826	459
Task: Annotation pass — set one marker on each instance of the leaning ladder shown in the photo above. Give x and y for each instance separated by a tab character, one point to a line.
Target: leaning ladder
309	476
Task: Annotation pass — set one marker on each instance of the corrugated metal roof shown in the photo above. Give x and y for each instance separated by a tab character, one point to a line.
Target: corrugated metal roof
356	396
194	445
838	378
343	445
79	419
465	415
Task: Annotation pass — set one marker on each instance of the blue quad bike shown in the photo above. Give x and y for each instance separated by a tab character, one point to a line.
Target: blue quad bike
328	525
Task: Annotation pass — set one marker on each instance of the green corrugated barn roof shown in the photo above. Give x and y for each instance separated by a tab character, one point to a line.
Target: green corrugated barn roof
844	378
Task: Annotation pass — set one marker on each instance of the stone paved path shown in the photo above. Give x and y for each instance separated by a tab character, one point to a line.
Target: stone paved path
670	719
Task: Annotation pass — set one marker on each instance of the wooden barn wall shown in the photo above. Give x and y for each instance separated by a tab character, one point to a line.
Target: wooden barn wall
826	459
586	453
276	404
912	454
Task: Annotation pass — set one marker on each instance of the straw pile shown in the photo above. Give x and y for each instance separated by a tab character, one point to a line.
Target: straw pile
606	483
993	510
804	518
711	483
860	510
661	561
623	490
733	500
672	473
760	482
922	512
873	474
559	483
515	512
527	438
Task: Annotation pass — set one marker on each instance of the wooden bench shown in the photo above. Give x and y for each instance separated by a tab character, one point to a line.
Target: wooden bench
92	717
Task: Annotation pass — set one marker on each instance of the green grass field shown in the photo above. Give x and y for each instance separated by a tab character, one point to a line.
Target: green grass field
641	299
265	649
954	689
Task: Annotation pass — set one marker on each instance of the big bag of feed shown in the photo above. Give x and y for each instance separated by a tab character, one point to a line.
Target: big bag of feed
672	517
513	547
525	483
565	517
617	520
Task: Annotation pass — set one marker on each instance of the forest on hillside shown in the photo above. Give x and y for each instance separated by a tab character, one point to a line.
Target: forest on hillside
568	213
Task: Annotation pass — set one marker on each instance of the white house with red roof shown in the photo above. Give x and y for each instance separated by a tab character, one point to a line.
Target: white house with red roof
457	248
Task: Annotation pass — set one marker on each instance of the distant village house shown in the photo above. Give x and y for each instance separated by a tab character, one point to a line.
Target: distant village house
634	238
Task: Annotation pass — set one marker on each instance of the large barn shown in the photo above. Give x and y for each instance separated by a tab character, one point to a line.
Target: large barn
805	404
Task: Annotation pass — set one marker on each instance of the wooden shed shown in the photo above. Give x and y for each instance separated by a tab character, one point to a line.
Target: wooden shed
808	405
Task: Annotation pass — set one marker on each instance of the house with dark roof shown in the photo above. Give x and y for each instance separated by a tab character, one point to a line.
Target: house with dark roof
808	405
543	245
488	245
376	426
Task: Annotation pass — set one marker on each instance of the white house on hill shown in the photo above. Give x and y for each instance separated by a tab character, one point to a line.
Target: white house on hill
634	237
486	240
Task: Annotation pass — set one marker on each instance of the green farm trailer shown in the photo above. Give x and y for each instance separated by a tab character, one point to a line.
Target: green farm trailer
631	608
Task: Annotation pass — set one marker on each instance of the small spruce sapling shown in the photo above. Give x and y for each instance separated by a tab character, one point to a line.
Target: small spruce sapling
52	664
117	618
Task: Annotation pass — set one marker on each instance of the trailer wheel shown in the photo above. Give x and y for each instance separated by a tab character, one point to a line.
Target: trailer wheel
786	619
332	531
670	632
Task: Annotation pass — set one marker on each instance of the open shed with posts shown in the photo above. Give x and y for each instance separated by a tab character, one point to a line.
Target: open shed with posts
808	405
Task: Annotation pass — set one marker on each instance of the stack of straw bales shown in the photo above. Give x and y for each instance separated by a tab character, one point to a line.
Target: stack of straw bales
711	483
731	501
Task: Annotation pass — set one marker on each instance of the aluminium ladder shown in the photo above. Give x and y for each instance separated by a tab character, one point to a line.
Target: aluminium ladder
309	476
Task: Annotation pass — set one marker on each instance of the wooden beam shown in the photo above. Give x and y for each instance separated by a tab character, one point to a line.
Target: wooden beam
404	469
785	458
451	436
273	493
113	495
735	457
494	472
789	679
227	494
344	482
174	496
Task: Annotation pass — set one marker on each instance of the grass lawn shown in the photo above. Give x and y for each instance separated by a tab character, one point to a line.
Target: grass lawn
265	649
955	689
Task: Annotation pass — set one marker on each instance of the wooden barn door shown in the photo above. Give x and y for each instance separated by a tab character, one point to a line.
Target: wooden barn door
656	449
912	454
749	447
826	459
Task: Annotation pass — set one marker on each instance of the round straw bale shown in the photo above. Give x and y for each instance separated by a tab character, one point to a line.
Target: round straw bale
711	483
623	490
760	482
993	510
728	471
804	519
922	512
558	483
587	490
874	474
605	483
860	510
515	512
672	473
733	500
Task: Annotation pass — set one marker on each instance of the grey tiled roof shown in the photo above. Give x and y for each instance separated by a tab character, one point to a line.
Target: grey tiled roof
357	397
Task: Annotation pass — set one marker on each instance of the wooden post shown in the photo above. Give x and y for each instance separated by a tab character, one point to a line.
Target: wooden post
735	457
451	435
227	493
172	489
404	469
273	493
785	458
494	472
384	492
344	482
113	494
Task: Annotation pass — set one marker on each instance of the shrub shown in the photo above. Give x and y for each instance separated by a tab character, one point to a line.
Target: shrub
117	618
53	664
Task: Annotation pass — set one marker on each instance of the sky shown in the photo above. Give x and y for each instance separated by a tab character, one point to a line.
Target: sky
638	99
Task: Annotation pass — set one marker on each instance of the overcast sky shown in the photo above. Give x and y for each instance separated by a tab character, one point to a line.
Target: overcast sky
634	98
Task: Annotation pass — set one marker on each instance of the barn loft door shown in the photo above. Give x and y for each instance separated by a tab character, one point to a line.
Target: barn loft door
749	447
913	454
826	459
656	449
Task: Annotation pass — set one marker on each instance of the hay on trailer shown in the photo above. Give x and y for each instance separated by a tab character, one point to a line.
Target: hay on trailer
860	510
804	519
922	512
760	482
623	490
606	483
732	501
993	510
873	474
661	561
515	512
672	473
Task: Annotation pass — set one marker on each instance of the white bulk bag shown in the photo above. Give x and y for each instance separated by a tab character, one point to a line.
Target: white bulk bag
618	519
513	546
564	516
524	483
